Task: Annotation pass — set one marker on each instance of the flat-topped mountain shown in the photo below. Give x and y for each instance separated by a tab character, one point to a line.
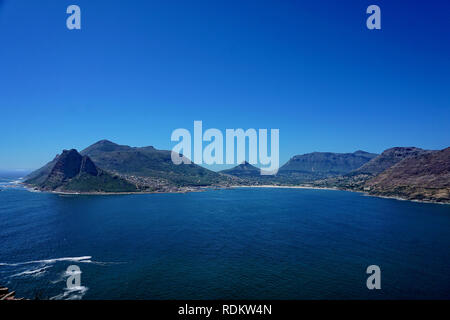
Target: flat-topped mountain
327	162
319	165
425	176
72	172
245	169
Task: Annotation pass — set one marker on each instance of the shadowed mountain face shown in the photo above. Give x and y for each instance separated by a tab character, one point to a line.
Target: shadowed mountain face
425	176
245	169
387	159
317	165
68	165
63	167
73	172
148	162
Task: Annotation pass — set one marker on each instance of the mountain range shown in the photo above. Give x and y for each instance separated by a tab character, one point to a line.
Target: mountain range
147	168
305	168
356	179
109	167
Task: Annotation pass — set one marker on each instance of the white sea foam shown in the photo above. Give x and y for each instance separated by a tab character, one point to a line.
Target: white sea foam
32	272
73	293
84	259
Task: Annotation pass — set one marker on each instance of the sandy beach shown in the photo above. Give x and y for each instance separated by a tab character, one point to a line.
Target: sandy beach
286	187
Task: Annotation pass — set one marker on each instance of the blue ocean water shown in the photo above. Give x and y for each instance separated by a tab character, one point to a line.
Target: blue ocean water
223	244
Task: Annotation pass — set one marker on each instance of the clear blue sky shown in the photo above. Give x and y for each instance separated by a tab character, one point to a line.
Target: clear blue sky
140	69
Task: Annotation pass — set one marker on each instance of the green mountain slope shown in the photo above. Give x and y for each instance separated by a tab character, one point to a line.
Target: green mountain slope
150	163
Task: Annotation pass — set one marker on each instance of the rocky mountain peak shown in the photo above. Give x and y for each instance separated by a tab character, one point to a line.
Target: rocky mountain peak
69	165
87	166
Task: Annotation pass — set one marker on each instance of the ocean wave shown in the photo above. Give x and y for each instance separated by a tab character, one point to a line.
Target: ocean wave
83	259
32	272
100	263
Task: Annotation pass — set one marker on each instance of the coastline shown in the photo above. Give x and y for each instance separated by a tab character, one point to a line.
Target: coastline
73	193
202	189
286	187
337	189
402	199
